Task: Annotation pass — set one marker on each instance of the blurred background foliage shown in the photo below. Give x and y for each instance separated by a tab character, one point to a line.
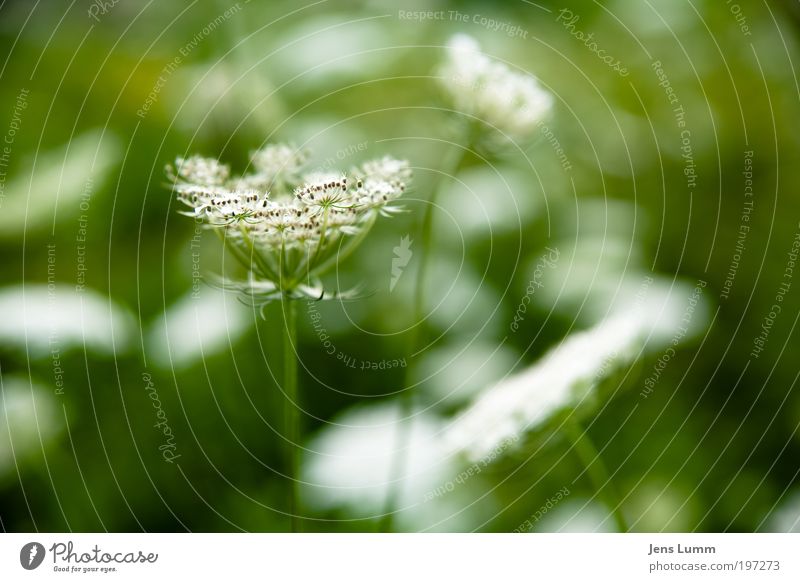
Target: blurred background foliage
714	447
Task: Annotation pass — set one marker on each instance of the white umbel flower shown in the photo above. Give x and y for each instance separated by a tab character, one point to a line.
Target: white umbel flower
562	379
278	166
201	171
387	169
511	103
284	225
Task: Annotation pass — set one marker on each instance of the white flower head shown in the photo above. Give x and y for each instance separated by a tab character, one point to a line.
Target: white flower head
201	171
382	182
509	102
387	169
287	226
278	166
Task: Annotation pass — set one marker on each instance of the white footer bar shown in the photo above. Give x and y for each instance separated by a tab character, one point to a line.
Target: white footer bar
408	557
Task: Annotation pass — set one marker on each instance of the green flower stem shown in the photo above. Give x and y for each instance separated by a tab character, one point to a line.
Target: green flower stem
450	166
292	407
269	271
309	261
345	250
246	259
598	473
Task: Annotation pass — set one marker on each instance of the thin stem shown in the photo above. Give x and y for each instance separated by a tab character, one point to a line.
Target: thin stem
292	407
417	336
346	250
596	468
323	232
255	255
308	262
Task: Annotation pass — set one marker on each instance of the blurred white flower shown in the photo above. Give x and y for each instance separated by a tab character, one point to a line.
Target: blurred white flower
786	518
486	201
197	326
225	96
659	17
662	507
326	49
454	373
458	299
562	379
28	419
49	318
510	102
577	516
63	182
278	167
349	463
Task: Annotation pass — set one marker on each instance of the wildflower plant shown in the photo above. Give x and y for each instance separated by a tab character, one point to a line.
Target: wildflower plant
564	384
494	108
285	225
288	226
562	380
506	106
